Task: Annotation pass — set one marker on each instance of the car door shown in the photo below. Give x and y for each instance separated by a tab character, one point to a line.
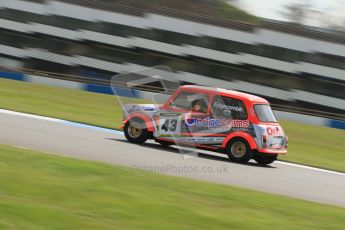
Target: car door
231	113
176	120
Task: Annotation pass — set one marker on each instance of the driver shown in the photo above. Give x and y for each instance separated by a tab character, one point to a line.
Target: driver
199	106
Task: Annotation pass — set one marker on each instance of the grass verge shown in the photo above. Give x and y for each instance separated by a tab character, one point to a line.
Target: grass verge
41	191
312	145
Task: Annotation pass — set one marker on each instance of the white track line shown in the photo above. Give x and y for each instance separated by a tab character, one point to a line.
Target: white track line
30	115
309	167
69	123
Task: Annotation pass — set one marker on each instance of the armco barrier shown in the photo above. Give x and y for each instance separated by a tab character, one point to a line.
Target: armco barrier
331	123
12	76
104	89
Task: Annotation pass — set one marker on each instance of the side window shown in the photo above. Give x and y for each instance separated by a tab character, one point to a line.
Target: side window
228	108
197	102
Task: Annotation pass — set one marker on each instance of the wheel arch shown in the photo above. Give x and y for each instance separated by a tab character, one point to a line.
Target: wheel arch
148	121
243	135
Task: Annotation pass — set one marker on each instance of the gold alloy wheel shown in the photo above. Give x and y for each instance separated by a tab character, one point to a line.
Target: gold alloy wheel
238	149
134	131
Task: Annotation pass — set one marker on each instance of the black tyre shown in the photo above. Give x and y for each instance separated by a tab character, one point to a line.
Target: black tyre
135	131
265	159
239	150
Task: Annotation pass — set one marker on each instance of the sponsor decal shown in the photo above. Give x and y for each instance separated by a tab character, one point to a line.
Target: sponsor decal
189	120
197	140
149	109
208	122
228	107
273	131
138	108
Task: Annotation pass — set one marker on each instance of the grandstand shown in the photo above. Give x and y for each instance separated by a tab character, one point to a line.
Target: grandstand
297	68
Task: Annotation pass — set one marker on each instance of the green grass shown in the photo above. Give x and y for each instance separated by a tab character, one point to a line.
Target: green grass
312	145
96	109
42	191
315	145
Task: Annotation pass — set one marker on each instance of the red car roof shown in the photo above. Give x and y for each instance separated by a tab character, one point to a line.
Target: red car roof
226	93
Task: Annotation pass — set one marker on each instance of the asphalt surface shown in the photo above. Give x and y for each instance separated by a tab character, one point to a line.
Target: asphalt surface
85	143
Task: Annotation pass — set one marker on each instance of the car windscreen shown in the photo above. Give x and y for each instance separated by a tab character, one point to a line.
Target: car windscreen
264	113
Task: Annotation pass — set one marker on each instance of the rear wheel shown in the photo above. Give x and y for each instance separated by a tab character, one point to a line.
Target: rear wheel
239	150
265	159
135	131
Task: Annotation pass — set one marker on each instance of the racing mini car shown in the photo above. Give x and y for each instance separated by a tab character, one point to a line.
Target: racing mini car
240	125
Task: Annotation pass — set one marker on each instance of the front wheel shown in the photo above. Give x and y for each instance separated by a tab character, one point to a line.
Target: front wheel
265	159
135	131
239	151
